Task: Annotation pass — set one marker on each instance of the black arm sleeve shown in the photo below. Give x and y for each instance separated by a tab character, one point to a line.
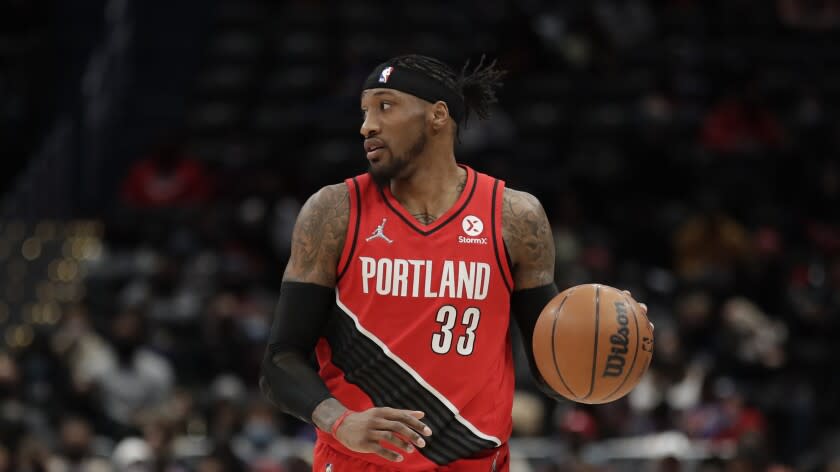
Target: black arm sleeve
526	306
288	380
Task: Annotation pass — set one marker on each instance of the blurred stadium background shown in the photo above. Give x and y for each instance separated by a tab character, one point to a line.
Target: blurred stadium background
155	154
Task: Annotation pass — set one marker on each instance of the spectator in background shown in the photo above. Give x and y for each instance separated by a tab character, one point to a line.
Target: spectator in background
742	124
669	464
577	428
32	455
672	385
751	336
295	464
5	459
713	464
75	451
224	420
710	245
833	465
132	454
86	356
741	422
236	326
726	417
12	409
210	464
625	23
221	459
136	379
159	436
24	397
258	435
168	178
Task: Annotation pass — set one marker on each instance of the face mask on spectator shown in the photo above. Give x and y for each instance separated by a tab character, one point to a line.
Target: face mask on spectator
256	329
259	433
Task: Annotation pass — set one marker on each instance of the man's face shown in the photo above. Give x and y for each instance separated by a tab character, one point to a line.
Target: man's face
394	129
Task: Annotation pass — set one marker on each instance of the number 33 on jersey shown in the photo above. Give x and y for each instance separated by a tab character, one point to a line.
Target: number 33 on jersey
423	315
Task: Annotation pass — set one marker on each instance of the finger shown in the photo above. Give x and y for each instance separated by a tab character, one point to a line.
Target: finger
644	307
401	429
394	439
386	453
410	418
628	293
651	326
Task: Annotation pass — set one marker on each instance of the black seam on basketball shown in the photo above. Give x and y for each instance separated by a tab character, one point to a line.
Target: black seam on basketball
493	234
595	348
355	231
554	350
635	353
440	225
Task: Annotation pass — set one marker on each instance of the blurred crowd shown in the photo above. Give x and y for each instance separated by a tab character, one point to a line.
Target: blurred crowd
684	150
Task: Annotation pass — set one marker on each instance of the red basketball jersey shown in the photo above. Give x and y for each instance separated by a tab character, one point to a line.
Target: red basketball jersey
422	319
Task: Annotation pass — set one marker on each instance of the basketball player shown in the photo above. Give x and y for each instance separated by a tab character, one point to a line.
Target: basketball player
403	280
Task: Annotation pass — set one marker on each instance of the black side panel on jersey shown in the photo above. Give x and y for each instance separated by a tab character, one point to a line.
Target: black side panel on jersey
367	366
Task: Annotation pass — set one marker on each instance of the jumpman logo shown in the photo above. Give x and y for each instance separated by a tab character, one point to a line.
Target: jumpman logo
379	232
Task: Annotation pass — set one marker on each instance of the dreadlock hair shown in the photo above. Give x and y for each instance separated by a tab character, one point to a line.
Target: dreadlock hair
477	86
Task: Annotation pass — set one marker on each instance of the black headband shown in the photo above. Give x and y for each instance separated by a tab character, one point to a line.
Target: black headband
418	84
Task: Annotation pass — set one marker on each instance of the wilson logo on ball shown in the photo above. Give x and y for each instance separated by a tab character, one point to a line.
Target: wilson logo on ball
619	341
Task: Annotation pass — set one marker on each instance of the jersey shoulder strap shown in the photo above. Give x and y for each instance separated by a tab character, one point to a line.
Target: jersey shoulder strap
495	189
354	189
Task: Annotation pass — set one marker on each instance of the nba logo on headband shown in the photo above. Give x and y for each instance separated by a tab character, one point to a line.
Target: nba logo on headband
386	72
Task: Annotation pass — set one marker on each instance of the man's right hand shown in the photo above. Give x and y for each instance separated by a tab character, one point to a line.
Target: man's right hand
363	431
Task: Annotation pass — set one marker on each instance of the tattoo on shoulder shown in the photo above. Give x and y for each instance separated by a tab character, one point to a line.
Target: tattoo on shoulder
527	234
318	237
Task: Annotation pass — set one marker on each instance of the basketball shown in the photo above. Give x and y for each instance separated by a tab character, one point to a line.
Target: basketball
592	343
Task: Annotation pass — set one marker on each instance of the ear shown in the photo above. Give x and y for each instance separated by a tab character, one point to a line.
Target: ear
439	115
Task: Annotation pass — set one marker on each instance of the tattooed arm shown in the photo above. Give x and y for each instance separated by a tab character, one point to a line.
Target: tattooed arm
306	300
528	239
318	237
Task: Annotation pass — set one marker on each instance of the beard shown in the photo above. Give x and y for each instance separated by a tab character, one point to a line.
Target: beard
383	174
